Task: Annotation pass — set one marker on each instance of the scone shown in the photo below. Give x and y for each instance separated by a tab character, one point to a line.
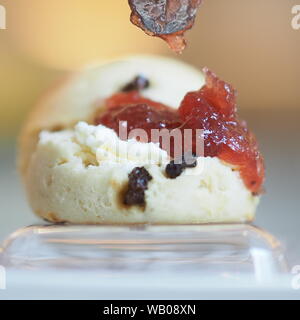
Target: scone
78	167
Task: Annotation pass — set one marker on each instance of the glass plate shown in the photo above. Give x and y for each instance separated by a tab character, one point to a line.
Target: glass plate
195	250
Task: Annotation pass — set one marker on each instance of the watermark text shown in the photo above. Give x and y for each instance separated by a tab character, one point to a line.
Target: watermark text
2	278
2	17
296	17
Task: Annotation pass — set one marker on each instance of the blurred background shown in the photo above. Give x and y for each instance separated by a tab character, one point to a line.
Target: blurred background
251	44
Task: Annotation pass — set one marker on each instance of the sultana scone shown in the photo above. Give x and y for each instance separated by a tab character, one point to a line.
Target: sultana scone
77	168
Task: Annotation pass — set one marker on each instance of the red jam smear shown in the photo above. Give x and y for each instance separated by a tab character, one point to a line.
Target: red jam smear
139	112
212	108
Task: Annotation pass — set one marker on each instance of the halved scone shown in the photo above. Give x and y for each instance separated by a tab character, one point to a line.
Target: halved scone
76	167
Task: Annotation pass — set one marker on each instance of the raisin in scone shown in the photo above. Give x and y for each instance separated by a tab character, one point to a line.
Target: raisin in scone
78	168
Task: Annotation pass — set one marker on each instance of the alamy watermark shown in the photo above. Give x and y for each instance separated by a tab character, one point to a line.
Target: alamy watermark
295	22
296	17
182	145
179	147
2	17
176	142
2	278
295	282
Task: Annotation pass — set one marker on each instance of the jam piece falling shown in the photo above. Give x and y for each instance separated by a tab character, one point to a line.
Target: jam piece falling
137	184
167	19
212	108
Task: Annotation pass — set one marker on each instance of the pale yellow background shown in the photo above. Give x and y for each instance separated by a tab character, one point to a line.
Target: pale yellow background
249	43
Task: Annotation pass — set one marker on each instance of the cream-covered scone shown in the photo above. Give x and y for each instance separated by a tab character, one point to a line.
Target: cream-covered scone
79	171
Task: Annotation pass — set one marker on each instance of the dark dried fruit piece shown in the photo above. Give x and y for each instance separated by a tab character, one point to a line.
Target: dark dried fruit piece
175	168
137	184
138	83
167	19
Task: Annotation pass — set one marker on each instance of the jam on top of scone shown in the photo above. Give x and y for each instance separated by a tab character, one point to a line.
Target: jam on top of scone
212	108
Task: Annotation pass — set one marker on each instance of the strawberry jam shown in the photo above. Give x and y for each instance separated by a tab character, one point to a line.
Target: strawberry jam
212	108
139	112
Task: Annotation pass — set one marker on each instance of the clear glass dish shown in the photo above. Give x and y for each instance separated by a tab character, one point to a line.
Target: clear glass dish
229	250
